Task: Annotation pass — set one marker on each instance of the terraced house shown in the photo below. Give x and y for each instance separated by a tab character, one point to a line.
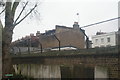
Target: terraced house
63	36
102	39
60	37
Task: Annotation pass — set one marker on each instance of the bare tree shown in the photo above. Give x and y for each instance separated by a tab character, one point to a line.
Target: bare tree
7	31
0	49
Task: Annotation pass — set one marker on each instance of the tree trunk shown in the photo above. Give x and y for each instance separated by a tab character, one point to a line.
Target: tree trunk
7	32
6	58
1	27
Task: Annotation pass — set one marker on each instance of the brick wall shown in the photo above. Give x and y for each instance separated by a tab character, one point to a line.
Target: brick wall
67	37
48	41
110	63
104	57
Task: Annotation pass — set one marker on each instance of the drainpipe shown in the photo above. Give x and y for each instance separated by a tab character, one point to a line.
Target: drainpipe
19	50
41	49
87	40
40	46
29	46
58	41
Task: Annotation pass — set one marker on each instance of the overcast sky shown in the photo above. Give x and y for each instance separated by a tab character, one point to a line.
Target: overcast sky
63	12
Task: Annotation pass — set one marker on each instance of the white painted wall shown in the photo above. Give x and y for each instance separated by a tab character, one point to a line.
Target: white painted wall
101	72
38	71
105	43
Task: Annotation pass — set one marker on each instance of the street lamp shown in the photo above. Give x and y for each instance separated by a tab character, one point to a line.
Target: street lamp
29	45
58	41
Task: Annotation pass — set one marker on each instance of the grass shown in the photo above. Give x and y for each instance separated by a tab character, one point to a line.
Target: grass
19	77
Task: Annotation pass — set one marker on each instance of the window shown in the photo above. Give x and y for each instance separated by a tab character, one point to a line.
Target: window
108	45
108	39
96	40
102	40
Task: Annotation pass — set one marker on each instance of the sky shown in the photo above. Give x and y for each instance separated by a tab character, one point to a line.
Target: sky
63	12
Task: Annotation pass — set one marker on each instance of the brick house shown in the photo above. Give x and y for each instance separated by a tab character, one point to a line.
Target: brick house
66	35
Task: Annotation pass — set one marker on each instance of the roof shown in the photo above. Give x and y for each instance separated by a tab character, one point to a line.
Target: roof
49	32
64	47
106	34
63	27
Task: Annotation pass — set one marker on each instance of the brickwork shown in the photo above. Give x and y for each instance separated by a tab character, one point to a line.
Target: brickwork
89	58
110	63
67	37
48	41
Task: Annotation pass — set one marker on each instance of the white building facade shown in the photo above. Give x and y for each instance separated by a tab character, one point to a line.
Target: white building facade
104	40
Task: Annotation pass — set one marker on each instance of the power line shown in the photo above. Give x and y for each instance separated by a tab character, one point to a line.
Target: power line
99	22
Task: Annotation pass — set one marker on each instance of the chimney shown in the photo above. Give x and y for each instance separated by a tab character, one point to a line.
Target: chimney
75	25
38	33
31	34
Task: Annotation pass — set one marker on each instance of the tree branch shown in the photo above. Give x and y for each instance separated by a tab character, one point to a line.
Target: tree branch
8	13
25	15
21	12
15	4
2	3
1	26
2	11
